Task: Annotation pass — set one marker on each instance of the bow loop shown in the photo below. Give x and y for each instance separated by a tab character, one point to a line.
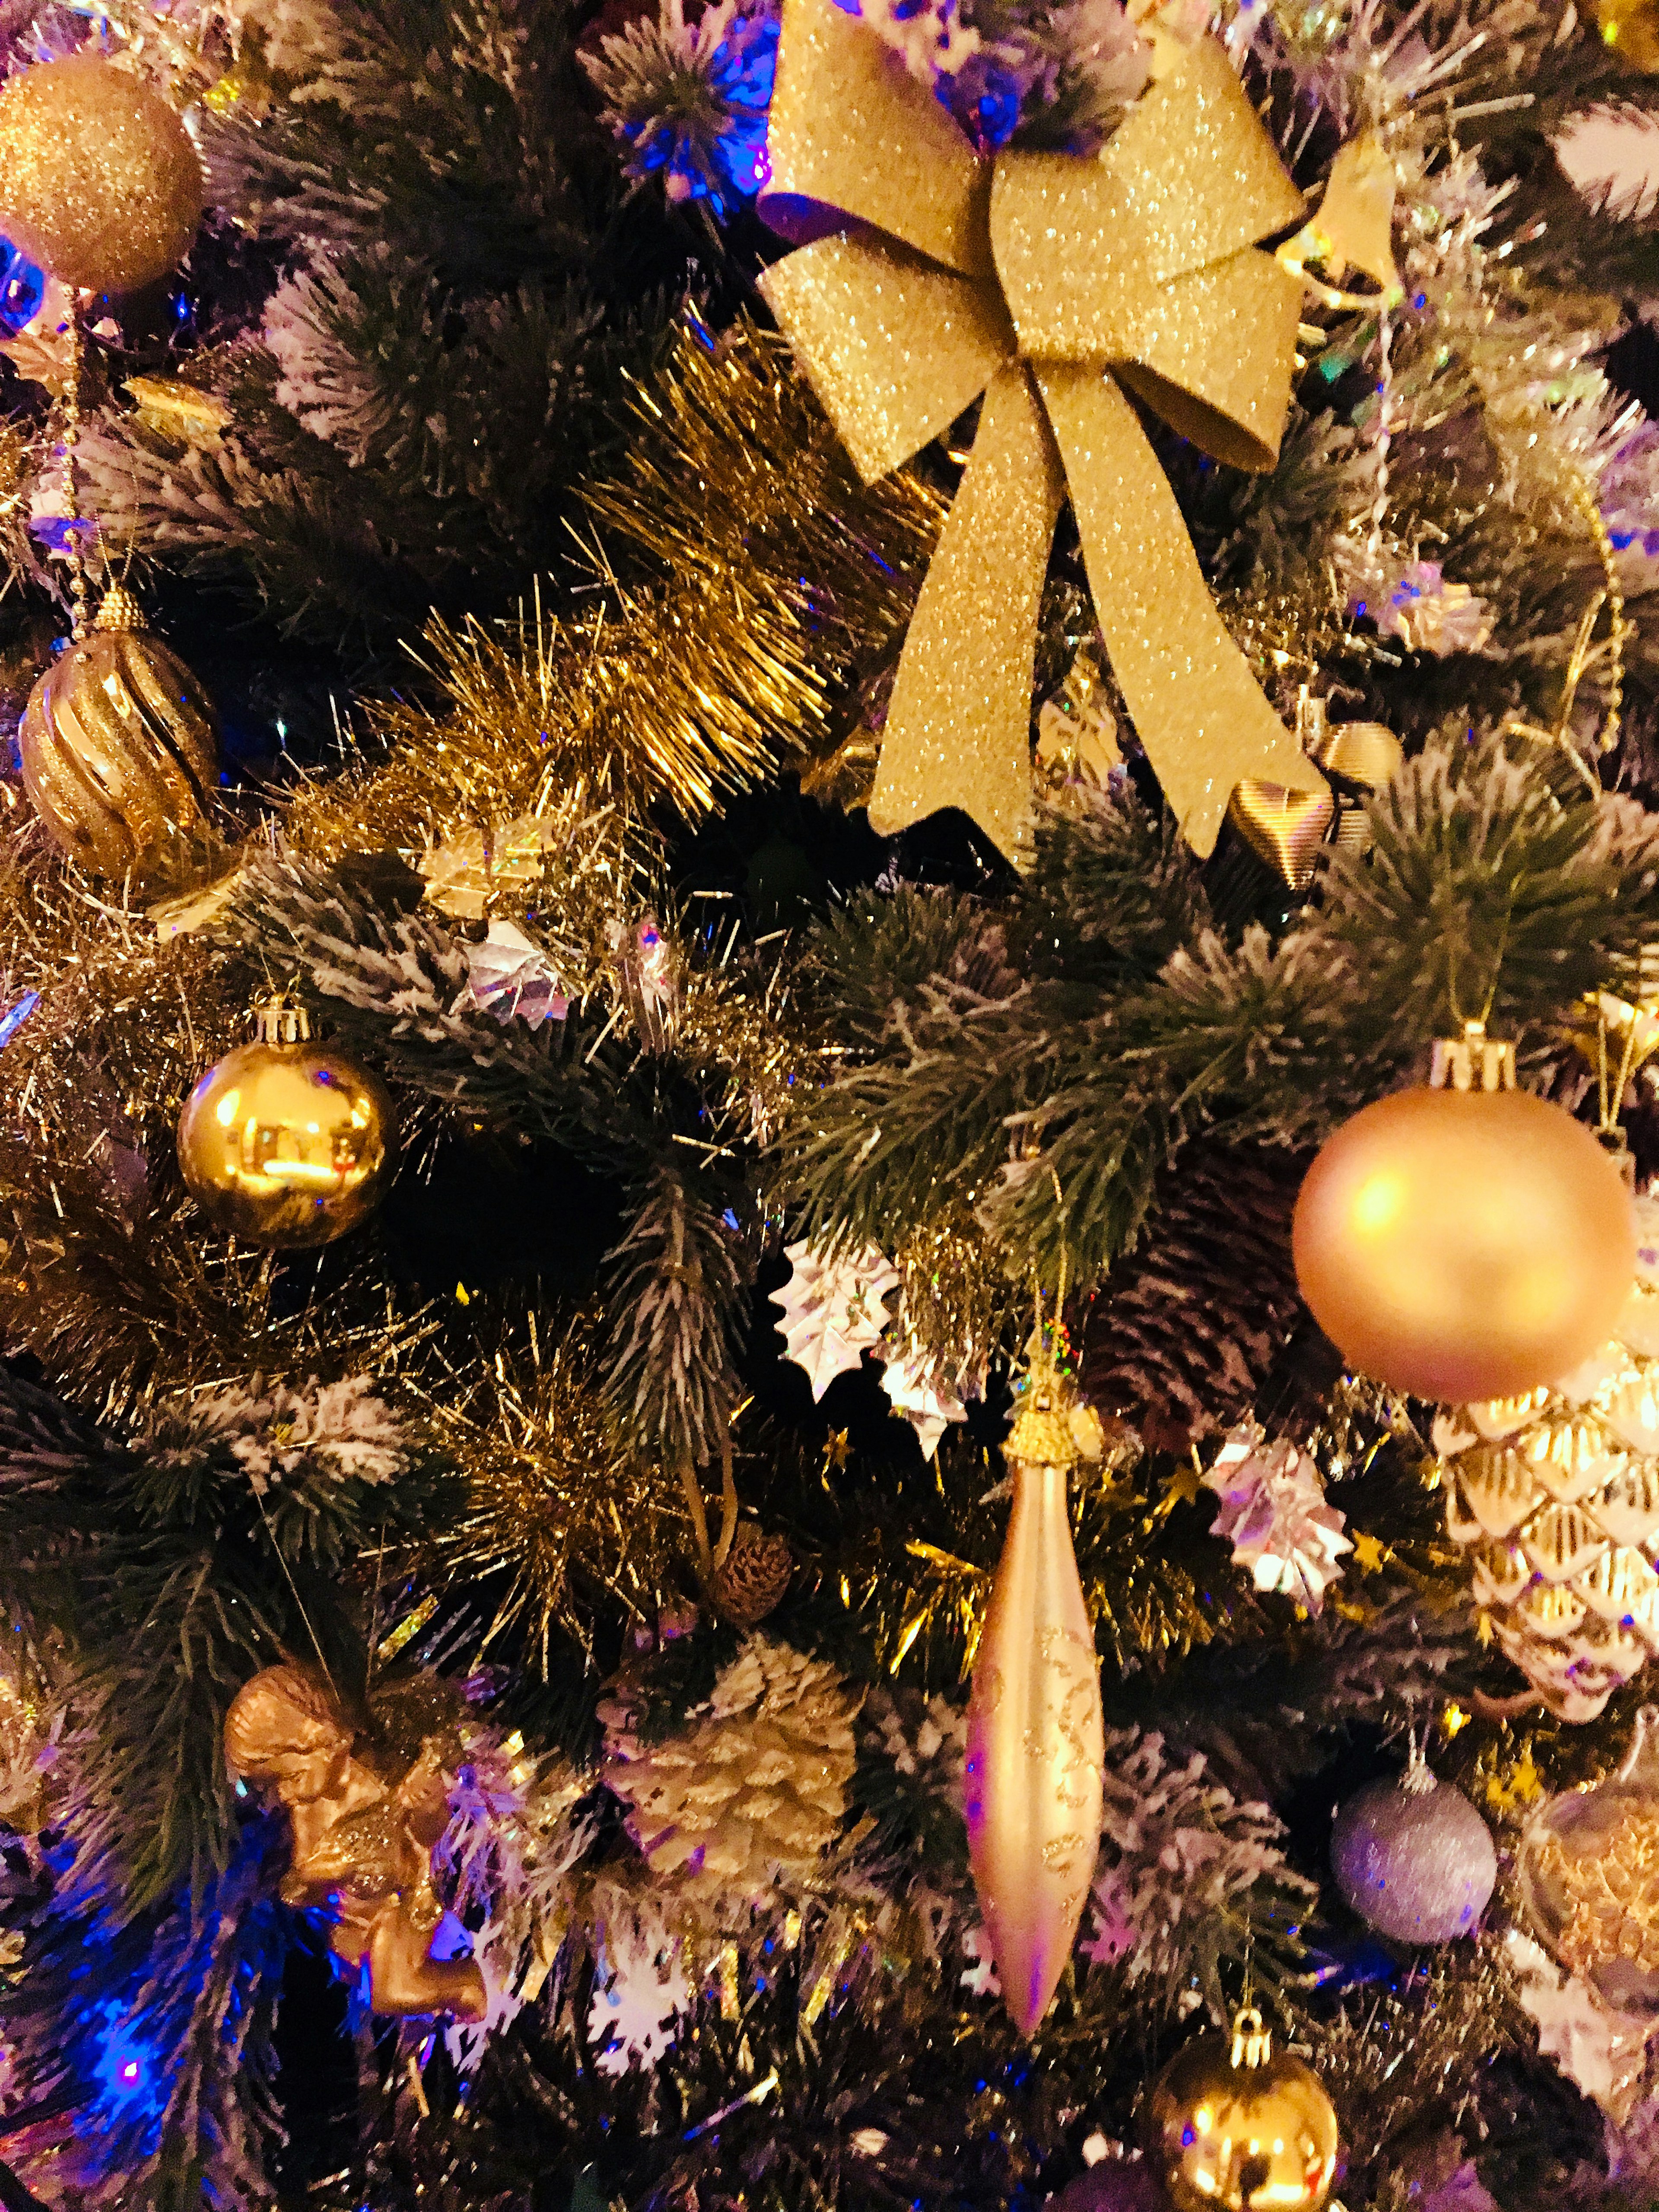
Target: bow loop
849	135
1212	348
1202	175
895	346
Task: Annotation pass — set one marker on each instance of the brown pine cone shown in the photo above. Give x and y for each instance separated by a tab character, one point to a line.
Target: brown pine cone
754	1577
1187	1329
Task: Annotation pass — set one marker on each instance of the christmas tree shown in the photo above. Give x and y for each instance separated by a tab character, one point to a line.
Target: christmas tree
828	1058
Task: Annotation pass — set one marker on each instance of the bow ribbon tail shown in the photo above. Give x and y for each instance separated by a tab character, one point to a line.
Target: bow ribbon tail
1198	711
958	730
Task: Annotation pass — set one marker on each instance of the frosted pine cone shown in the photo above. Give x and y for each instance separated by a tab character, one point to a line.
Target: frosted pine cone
748	1799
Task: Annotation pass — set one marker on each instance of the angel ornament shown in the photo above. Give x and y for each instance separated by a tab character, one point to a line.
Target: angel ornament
367	1806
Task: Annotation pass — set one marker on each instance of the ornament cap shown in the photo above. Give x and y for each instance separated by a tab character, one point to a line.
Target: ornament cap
1418	1779
1473	1062
1253	2041
119	610
1042	1436
278	1021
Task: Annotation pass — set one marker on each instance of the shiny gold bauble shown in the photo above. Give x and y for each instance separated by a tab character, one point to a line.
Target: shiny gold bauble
1226	2135
1464	1244
98	180
120	749
1631	28
285	1142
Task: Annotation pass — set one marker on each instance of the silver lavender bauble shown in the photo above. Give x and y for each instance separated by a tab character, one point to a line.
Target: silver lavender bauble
1414	1858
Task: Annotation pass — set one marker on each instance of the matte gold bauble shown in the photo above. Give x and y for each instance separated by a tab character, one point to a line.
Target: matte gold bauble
1631	28
1232	2127
1464	1244
99	181
120	749
285	1142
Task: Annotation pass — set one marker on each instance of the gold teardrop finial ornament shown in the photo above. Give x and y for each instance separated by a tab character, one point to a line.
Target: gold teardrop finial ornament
121	751
1233	2125
285	1142
1036	1735
1463	1239
99	181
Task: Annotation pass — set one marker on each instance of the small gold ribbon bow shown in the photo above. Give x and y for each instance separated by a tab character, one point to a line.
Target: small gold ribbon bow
1045	282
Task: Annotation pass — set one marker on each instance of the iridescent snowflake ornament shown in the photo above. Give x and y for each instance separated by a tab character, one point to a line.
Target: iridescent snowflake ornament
1274	1514
508	974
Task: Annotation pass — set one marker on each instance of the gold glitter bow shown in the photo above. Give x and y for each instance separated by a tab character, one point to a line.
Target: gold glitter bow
1046	282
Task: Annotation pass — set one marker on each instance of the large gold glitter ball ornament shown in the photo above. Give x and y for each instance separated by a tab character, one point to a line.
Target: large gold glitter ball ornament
1233	2126
285	1142
1461	1243
98	180
120	750
1630	27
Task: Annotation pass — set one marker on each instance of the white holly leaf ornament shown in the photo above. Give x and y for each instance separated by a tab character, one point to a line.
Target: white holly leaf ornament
832	1309
912	1381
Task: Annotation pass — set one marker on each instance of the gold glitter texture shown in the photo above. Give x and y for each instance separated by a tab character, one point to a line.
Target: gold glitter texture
99	181
1038	279
558	1503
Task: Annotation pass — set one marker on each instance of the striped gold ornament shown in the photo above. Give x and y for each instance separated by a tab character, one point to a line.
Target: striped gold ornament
120	750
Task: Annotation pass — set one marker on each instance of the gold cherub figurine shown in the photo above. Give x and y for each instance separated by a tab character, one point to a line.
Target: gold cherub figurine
366	1806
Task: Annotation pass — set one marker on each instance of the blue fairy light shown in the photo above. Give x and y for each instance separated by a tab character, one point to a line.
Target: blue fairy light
22	288
15	1015
690	101
129	2082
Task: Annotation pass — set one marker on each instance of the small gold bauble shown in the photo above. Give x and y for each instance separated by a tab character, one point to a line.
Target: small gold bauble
98	180
120	749
1464	1244
283	1142
1232	2127
1631	28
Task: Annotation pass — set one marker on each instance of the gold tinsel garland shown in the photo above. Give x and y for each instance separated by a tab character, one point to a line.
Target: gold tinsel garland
557	1498
694	678
697	674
